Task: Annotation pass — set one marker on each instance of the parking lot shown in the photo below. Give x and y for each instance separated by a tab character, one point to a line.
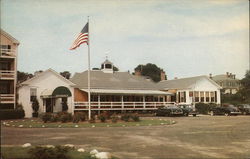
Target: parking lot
190	137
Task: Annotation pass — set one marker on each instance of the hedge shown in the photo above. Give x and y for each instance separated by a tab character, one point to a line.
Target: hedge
11	114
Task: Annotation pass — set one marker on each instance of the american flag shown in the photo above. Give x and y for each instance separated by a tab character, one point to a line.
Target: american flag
82	37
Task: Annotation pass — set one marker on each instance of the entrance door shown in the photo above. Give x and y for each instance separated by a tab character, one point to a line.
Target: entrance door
49	105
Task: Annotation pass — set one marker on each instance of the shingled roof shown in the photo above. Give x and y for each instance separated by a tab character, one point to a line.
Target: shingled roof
116	80
183	83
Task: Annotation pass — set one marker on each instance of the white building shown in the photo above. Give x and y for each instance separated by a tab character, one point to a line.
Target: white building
50	89
193	90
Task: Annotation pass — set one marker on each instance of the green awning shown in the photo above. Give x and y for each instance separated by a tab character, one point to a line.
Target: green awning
61	92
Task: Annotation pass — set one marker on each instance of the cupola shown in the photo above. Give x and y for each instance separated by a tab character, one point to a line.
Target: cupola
107	66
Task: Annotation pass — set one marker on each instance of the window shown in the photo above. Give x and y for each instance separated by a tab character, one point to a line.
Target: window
5	47
207	96
182	96
94	98
5	87
33	92
202	96
4	65
212	96
196	95
108	66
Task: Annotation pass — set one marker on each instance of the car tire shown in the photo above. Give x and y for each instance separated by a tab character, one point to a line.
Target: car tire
194	115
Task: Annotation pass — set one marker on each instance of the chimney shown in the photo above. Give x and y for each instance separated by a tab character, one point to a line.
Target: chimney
227	74
163	75
231	75
210	75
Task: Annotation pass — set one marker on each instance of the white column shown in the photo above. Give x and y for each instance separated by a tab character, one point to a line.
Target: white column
209	95
122	103
99	103
199	94
144	104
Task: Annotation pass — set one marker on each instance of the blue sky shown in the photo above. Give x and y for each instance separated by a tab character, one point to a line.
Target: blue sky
184	37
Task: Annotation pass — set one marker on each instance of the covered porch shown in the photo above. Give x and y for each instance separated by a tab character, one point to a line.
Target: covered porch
56	100
107	99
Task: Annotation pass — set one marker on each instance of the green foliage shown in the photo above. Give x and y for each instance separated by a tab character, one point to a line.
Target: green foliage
245	87
102	117
23	76
114	119
65	74
59	152
64	106
65	117
92	119
54	118
135	117
35	105
46	117
125	117
79	116
203	108
11	114
150	70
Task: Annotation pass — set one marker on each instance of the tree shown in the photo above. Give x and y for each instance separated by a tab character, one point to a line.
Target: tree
245	87
65	74
150	70
115	68
23	76
35	107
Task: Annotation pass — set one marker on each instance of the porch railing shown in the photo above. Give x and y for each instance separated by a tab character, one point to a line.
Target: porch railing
119	105
7	98
7	74
7	53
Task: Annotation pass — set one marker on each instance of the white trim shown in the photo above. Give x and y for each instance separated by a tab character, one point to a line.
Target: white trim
49	70
114	91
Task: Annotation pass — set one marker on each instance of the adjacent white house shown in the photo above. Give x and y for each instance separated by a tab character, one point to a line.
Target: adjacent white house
50	89
192	90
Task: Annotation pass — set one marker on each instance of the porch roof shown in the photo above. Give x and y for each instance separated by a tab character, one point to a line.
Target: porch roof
134	92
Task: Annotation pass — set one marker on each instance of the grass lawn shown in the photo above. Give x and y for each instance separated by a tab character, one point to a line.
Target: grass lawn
22	153
37	123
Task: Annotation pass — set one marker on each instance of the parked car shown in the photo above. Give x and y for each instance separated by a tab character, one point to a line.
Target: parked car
225	110
244	108
169	111
188	110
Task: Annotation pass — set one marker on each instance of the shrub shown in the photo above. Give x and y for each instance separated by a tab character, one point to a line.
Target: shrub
125	117
65	117
46	117
54	118
79	116
203	108
106	114
102	117
64	106
92	119
11	114
114	119
35	107
135	117
39	152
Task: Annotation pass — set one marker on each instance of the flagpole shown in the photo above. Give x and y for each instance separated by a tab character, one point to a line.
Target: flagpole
89	72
